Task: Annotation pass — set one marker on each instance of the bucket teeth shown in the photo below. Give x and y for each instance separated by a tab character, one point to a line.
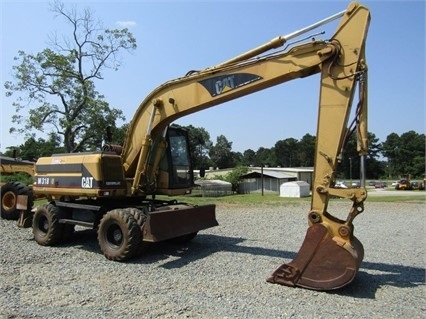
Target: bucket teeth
285	275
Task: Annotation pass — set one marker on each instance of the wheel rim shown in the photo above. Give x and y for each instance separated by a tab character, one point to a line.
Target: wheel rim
43	225
9	200
114	236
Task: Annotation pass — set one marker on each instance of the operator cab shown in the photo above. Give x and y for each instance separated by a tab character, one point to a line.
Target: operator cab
176	176
181	174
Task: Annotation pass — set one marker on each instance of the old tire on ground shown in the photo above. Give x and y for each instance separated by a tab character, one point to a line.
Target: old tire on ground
46	227
9	199
119	235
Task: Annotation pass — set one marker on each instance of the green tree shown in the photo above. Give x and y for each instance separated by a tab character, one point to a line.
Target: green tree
221	153
234	177
237	158
350	166
306	151
59	82
287	152
199	145
266	157
118	134
391	149
249	157
405	153
32	149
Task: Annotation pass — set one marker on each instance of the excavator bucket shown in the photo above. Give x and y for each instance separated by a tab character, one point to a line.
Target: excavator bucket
322	263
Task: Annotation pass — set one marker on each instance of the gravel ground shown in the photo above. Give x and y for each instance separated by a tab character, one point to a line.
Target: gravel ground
221	273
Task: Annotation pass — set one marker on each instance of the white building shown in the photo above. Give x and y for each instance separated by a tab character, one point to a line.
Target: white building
295	189
268	179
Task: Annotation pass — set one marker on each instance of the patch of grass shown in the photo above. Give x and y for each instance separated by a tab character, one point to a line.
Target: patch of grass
238	199
272	199
398	199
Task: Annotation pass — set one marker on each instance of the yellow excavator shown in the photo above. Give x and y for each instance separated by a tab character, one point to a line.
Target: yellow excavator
11	190
114	190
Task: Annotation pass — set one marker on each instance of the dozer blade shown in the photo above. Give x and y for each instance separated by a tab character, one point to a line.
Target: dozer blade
171	223
322	263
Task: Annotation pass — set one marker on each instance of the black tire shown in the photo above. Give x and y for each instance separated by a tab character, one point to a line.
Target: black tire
140	217
9	199
46	227
119	235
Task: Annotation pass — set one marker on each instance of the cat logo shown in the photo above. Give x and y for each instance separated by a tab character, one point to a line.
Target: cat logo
223	83
87	182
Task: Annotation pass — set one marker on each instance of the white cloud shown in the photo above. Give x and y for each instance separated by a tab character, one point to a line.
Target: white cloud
126	24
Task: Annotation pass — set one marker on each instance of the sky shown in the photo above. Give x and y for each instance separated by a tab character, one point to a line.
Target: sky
174	37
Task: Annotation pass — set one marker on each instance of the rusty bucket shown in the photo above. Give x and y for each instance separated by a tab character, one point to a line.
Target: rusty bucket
323	262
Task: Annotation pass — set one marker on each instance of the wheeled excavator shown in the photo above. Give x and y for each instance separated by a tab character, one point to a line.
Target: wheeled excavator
13	190
114	190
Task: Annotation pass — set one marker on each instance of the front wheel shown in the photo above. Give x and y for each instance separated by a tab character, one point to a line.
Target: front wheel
46	227
140	216
119	235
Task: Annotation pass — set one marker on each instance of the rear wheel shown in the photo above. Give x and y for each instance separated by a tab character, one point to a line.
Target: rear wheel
119	235
46	227
9	199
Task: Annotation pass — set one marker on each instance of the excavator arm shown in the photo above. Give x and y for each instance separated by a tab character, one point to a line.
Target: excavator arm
330	255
